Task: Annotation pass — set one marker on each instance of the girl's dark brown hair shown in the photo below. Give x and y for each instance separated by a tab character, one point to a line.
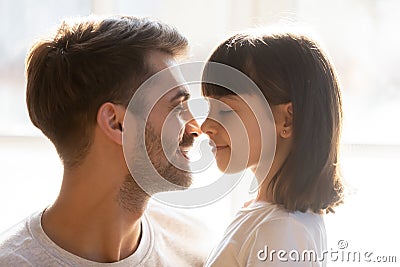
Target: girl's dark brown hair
292	68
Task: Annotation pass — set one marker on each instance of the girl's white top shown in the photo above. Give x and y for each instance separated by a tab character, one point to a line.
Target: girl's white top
265	234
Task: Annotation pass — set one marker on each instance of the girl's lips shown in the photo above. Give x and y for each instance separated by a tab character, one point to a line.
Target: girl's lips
217	147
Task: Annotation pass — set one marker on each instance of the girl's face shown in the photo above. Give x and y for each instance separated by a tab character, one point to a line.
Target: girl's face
234	131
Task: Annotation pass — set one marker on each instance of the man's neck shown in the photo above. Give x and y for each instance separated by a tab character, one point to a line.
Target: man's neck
88	220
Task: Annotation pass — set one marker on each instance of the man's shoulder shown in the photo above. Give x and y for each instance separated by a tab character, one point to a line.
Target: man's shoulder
18	243
176	219
13	242
184	232
10	258
14	236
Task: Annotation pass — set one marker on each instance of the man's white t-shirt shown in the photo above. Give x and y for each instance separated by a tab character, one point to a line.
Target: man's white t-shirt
169	238
262	229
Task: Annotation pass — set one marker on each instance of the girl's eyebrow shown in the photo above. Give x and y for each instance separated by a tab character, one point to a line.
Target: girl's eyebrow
229	97
234	98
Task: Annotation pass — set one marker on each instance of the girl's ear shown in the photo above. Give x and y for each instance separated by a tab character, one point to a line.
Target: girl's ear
288	125
110	118
283	115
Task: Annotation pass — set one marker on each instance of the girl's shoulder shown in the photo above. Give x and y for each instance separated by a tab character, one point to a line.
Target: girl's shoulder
276	228
270	218
263	225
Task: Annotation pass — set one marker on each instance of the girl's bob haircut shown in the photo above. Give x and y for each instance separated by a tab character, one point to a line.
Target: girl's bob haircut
290	67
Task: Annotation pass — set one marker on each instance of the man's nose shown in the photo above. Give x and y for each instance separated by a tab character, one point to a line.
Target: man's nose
192	128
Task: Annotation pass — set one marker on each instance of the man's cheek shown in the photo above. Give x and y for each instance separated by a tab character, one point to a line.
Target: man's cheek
173	130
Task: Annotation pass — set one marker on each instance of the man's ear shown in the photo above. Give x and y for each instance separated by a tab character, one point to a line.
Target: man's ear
283	114
110	118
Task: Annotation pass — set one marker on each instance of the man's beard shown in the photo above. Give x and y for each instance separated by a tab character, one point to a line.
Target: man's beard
131	195
162	165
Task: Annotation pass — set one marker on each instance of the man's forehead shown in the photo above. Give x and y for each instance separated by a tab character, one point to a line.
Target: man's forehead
167	81
159	60
180	93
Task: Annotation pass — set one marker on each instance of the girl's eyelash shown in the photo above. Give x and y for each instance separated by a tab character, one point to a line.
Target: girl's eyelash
226	111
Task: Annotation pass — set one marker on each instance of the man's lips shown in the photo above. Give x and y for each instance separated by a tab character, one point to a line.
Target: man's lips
185	145
184	151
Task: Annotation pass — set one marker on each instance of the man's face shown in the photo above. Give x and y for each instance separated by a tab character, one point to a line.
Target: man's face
169	127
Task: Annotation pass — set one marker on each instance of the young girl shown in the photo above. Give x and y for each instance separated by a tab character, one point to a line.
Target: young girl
284	224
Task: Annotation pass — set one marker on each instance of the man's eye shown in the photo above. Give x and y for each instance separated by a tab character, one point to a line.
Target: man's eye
179	108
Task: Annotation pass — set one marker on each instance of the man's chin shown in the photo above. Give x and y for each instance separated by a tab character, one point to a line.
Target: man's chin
182	179
177	174
180	161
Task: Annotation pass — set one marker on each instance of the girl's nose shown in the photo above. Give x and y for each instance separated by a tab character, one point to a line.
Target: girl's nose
209	127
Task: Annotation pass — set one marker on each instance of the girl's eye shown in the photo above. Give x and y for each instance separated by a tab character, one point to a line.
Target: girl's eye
227	111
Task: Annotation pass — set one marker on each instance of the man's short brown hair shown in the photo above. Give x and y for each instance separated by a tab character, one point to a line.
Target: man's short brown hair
85	64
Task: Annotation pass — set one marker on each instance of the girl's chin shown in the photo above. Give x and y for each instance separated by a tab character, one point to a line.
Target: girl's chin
225	167
222	166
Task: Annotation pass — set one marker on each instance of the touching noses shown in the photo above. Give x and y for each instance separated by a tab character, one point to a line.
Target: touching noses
192	128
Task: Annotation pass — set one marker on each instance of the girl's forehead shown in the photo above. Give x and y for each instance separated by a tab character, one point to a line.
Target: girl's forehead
225	97
234	99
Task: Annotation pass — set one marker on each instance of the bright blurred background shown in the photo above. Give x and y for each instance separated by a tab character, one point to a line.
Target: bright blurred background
359	35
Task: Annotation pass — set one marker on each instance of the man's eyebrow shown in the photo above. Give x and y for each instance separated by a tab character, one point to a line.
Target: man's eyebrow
181	94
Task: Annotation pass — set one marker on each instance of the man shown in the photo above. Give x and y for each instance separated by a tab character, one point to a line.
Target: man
79	83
